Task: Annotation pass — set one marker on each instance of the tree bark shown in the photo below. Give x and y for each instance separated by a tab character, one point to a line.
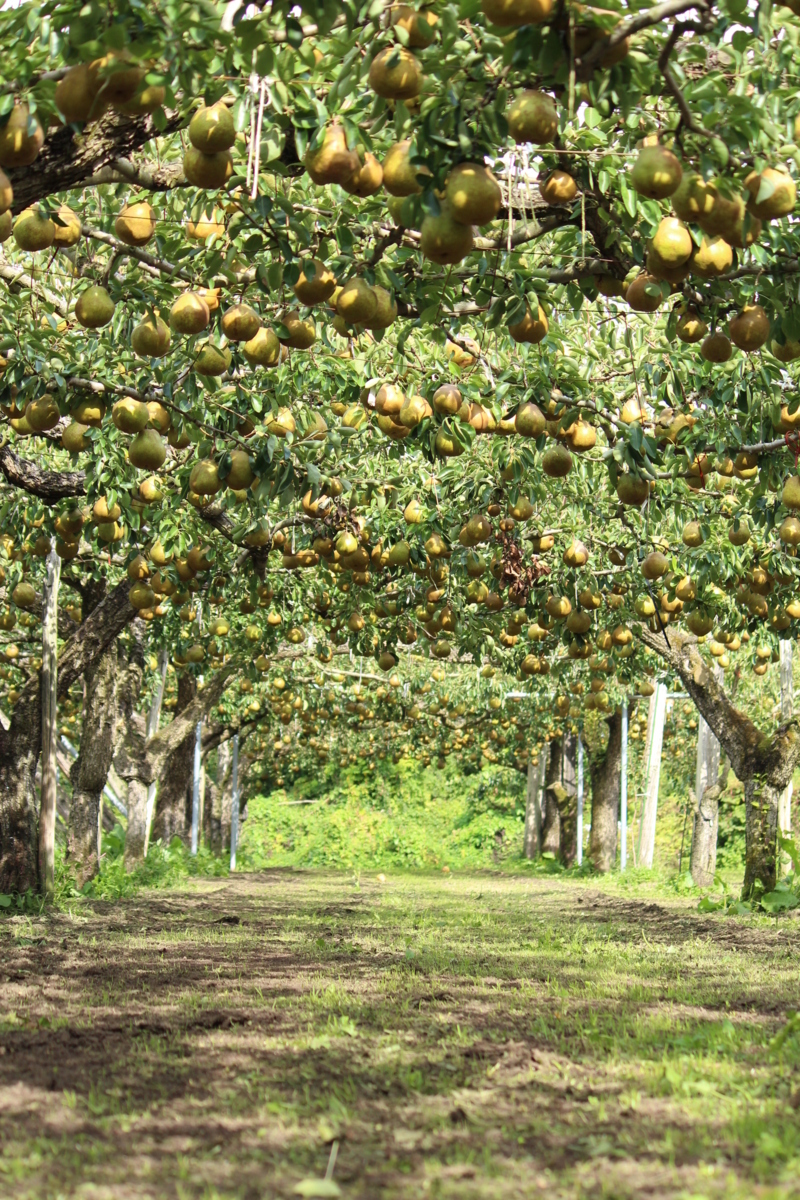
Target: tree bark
221	819
537	773
20	743
551	827
141	760
89	772
65	160
605	772
764	764
704	835
567	799
174	799
49	693
761	829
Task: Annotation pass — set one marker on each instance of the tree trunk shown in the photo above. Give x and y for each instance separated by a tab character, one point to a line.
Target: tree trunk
655	740
605	772
220	836
763	763
551	828
49	693
20	744
89	772
174	801
537	773
761	817
567	799
19	871
137	822
707	789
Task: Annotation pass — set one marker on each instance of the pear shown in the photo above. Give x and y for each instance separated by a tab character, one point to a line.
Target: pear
158	416
32	231
671	243
21	138
179	438
357	302
399	173
240	323
206	226
446	445
786	353
316	288
212	360
644	294
240	475
367	177
582	436
331	161
6	225
74	438
90	412
264	350
790	496
420	26
557	462
716	348
67	229
147	451
301	334
654	565
117	79
533	118
6	193
632	490
147	99
694	199
789	531
691	328
750	329
129	415
415	410
513	13
189	314
558	188
712	257
135	224
76	96
529	421
530	329
692	534
385	313
473	194
656	173
729	219
447	400
209	171
94	308
443	239
211	129
772	194
389	400
42	413
151	339
141	596
395	74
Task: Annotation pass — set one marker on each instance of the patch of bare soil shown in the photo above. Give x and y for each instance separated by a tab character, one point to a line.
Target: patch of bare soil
473	1038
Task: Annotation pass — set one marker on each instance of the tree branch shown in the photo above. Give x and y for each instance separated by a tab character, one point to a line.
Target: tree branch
68	159
643	20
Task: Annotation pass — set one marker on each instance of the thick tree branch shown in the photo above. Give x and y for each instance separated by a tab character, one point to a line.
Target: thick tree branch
749	750
645	19
68	159
49	486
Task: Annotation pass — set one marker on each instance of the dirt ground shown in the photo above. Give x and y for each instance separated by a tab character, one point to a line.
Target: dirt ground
472	1037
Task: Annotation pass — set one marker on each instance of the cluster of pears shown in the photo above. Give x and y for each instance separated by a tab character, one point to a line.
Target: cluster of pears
725	223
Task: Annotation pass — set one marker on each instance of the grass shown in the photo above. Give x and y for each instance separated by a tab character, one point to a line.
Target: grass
470	1035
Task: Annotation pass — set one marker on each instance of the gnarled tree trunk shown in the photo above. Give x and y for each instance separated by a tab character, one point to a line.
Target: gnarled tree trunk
551	826
174	801
89	772
605	772
763	764
20	744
